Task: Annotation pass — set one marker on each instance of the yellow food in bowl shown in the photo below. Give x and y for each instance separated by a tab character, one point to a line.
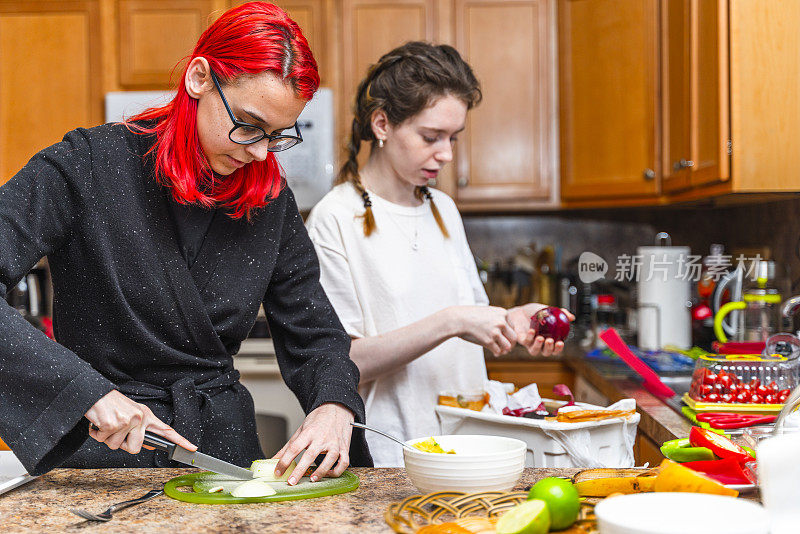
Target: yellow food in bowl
430	445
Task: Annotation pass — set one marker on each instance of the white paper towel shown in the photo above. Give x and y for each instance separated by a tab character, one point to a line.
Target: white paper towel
664	298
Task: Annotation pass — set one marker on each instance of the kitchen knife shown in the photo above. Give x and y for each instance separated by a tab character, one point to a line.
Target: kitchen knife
196	459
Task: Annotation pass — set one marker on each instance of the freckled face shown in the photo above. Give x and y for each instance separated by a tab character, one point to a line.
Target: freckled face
262	100
420	146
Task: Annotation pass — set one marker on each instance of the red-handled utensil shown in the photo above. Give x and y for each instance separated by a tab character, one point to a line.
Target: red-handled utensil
727	421
738	347
652	382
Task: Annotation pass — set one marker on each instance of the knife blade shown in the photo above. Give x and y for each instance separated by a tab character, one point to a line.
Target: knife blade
196	459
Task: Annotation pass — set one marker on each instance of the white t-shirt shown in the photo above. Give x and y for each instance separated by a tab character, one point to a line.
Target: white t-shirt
405	271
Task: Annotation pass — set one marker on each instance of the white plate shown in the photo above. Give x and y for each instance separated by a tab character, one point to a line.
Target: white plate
12	473
742	488
684	513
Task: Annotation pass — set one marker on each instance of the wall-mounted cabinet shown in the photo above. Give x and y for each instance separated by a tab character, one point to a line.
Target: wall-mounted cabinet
650	91
695	89
154	35
49	75
372	28
316	19
507	154
765	95
608	57
664	101
505	158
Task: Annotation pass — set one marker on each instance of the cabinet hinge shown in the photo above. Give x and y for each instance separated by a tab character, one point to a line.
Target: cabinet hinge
730	147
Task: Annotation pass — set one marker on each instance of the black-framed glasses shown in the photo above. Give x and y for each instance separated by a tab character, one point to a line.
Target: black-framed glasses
244	133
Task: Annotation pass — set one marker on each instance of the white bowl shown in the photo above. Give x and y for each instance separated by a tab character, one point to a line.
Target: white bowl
481	463
680	513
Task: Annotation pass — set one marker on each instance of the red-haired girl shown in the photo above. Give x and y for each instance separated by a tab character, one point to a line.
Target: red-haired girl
394	257
164	235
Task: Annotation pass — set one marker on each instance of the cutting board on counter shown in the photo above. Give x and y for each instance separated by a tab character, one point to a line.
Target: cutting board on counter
194	488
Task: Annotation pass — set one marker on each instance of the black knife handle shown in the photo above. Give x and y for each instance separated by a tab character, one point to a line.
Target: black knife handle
162	444
152	440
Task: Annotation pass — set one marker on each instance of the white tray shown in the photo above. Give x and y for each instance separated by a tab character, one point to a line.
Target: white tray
12	473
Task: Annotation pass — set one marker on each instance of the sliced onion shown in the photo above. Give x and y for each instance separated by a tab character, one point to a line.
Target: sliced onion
265	470
253	488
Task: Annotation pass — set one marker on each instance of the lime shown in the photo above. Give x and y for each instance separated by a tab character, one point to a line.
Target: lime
562	500
530	517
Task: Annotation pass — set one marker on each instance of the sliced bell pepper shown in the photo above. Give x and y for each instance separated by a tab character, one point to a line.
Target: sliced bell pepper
719	445
727	471
681	450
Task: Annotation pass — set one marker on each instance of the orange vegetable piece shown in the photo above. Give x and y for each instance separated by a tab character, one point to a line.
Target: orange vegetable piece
673	476
444	528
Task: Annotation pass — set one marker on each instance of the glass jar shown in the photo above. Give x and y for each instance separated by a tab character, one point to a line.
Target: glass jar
604	316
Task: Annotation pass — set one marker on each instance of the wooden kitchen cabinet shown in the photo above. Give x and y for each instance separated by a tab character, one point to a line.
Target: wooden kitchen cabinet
608	51
154	35
370	29
506	156
722	92
49	76
695	87
316	20
645	450
545	374
765	95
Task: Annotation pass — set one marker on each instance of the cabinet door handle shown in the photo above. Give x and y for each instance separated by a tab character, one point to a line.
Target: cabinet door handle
682	164
463	181
649	174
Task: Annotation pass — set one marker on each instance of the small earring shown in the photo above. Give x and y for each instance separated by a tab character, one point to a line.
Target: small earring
380	143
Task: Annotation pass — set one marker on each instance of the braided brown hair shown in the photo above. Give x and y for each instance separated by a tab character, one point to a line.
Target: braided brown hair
403	83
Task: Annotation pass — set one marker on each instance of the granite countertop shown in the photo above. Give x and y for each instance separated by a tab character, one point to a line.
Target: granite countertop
43	505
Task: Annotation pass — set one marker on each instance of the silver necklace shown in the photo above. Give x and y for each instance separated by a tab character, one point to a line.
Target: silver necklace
415	240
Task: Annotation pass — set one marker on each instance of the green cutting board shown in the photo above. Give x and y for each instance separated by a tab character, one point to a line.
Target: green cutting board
200	483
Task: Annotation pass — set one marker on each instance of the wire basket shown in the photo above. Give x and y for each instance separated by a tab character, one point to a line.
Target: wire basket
417	511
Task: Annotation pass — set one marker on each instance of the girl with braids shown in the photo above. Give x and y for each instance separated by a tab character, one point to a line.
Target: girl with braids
164	235
394	258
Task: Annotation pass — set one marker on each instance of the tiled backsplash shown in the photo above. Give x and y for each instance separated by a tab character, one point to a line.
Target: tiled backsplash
610	233
771	224
498	237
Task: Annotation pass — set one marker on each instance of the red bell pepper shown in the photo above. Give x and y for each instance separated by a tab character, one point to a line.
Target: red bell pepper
727	471
719	445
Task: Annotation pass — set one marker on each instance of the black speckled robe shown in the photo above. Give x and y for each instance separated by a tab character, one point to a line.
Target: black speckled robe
130	313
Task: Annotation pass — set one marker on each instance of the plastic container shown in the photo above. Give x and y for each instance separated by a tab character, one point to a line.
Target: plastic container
733	381
753	435
606	443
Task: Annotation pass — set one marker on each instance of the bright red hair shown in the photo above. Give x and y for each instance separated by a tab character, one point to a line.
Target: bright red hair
249	39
